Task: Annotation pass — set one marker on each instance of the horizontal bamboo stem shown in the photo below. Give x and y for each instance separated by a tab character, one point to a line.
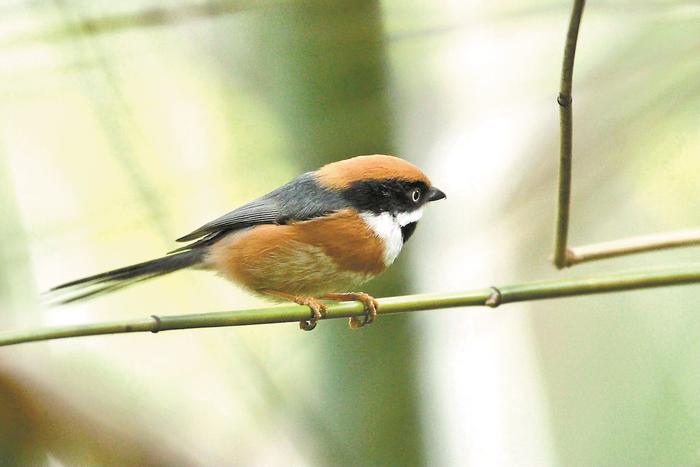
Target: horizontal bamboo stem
492	296
633	245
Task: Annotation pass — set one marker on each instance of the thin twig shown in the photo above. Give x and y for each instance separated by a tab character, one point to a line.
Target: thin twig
150	17
135	175
632	245
492	296
566	144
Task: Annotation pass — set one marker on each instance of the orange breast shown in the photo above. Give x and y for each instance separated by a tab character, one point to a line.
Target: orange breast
333	253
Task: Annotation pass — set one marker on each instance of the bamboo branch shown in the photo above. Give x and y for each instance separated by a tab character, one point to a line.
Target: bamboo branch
565	256
492	296
632	245
561	252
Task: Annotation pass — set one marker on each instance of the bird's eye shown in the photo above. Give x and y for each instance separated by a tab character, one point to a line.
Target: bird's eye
415	195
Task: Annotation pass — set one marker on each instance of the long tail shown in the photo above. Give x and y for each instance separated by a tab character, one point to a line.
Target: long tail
92	286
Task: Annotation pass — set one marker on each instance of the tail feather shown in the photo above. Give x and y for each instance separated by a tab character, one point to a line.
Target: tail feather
99	284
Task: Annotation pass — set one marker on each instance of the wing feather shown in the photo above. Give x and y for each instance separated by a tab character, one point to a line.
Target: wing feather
301	199
261	211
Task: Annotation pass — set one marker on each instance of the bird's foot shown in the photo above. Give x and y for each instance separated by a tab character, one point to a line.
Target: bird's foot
370	303
318	309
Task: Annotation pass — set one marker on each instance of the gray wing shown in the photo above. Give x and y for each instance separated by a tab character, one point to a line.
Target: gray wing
300	199
263	210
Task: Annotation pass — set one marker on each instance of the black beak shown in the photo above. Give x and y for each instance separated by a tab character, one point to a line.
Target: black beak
434	194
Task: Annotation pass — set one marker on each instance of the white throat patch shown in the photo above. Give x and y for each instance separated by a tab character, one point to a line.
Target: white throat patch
388	228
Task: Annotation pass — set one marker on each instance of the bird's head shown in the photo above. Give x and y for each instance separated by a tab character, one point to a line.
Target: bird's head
383	188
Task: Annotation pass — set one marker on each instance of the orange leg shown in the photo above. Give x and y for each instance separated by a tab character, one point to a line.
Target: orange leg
318	309
368	301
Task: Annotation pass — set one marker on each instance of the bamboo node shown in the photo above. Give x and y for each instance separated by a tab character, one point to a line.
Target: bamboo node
159	322
495	298
564	101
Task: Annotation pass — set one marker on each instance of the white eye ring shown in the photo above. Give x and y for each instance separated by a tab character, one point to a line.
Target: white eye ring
415	196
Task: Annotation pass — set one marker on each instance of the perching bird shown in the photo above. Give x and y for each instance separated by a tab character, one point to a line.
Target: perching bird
322	233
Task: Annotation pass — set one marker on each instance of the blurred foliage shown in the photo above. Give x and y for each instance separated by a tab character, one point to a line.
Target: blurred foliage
37	425
14	272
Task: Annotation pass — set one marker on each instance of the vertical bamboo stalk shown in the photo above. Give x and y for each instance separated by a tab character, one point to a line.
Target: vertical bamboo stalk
564	100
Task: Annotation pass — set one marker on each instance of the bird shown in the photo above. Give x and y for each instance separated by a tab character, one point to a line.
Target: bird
311	240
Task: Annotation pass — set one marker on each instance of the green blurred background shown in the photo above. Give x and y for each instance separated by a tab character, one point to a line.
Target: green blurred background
125	124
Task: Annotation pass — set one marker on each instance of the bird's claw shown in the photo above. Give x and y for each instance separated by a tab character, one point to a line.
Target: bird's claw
370	304
318	310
